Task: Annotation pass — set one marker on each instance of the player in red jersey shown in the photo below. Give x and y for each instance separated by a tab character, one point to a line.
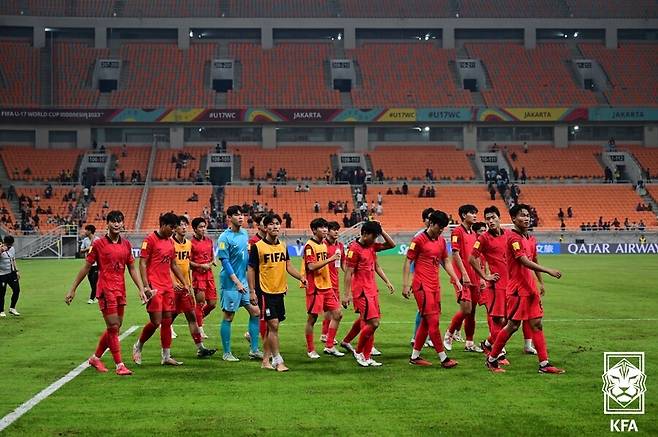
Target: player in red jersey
333	246
427	250
112	254
202	259
462	240
157	263
259	235
361	287
523	297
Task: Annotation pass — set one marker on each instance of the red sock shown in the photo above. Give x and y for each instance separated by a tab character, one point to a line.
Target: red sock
325	326
494	329
456	322
366	332
207	309
262	328
527	330
113	343
354	331
421	335
147	332
539	341
469	326
499	343
367	349
197	338
198	312
331	337
309	342
165	333
102	345
434	332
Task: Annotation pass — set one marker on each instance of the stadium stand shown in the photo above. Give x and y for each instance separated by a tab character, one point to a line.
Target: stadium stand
73	66
396	9
612	9
150	82
19	70
511	8
406	75
536	77
288	75
548	162
298	205
632	70
652	189
647	157
125	199
137	159
28	164
7	217
55	8
188	158
164	199
300	162
279	8
58	206
444	161
589	202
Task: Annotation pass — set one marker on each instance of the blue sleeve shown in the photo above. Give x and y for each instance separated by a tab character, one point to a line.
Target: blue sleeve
221	251
228	268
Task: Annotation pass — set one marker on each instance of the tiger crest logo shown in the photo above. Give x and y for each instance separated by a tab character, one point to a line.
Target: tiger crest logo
624	383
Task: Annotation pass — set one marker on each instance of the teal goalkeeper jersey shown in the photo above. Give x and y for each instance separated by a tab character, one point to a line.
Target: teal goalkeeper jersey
234	246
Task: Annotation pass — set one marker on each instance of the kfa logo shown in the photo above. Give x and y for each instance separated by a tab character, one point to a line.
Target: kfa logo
624	386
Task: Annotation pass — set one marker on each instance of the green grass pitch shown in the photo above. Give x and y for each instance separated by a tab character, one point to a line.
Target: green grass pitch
603	303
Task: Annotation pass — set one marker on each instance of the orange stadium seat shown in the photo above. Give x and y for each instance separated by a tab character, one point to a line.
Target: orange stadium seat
56	203
8	216
646	156
73	67
406	75
300	162
165	170
299	205
511	8
536	77
445	161
137	159
39	162
124	199
589	202
290	75
86	8
279	8
553	163
652	189
19	66
612	9
164	199
396	9
632	70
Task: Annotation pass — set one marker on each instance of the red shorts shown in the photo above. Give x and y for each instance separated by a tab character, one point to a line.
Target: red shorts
469	293
320	301
184	302
524	307
429	301
367	306
164	300
112	302
494	300
207	285
336	293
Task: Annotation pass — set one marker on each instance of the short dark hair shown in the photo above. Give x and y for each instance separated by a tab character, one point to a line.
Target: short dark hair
183	219
491	209
169	219
114	216
465	209
516	209
233	210
90	228
371	228
333	226
479	225
438	218
8	239
426	213
269	218
258	218
196	221
318	223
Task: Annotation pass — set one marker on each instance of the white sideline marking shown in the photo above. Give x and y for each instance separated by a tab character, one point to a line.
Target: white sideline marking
52	388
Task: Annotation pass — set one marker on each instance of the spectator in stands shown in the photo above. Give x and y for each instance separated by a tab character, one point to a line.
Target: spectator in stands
525	147
563	226
380	198
379	209
288	219
639	207
617	174
524	177
359	197
421	192
560	214
582	226
570	212
85	194
124	151
102	149
259	189
327	174
515	172
641	225
390	191
106	205
11	193
48	192
252	173
600	221
268	175
316	207
405	188
608	175
193	198
16	173
139	176
274	192
346	221
27	171
513	156
492	192
306	188
616	223
298	188
648	175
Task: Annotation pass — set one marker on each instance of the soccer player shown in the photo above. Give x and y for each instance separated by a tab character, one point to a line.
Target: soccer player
233	252
424	216
259	235
268	263
85	247
333	246
320	297
462	240
9	276
427	251
523	297
361	287
203	282
112	254
184	296
157	263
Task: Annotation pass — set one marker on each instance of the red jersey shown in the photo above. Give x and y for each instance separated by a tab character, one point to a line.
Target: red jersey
494	250
253	240
521	279
334	267
462	241
427	253
201	253
362	259
112	259
158	252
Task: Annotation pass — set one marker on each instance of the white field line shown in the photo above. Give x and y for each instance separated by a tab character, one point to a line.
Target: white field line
52	388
